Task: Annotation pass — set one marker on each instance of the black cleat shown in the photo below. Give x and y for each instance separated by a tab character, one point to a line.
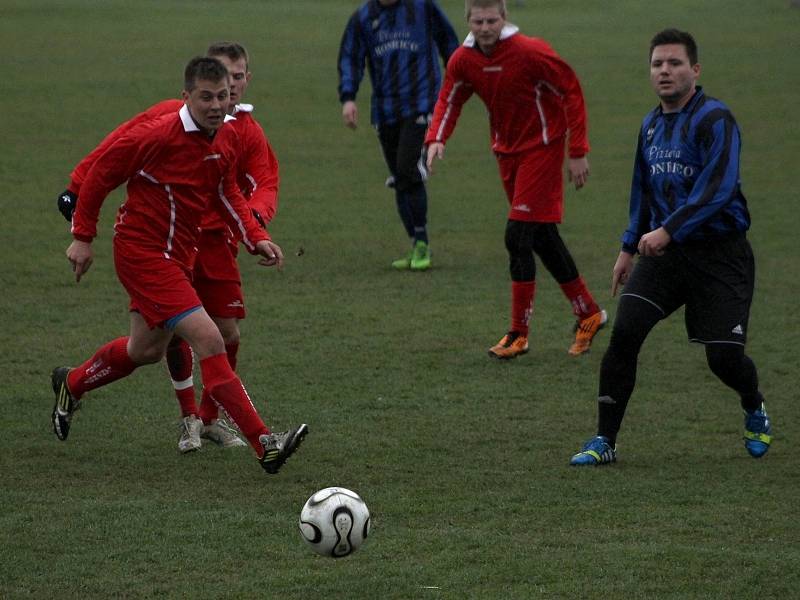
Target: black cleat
280	446
65	405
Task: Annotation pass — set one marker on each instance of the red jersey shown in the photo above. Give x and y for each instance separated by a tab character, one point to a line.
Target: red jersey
79	173
256	171
257	166
532	95
175	172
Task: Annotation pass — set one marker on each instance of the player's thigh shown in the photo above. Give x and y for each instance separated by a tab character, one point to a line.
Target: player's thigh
146	344
159	288
722	280
228	327
659	281
389	137
217	279
410	159
200	331
538	184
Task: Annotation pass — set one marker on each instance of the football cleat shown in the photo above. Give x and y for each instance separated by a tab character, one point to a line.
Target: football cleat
66	404
597	451
190	428
222	434
278	447
512	345
757	432
403	264
585	330
420	257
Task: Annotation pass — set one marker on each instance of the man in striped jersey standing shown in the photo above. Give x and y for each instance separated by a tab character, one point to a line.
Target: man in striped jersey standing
688	218
534	100
399	41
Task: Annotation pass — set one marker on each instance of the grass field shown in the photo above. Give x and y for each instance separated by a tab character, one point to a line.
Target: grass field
463	461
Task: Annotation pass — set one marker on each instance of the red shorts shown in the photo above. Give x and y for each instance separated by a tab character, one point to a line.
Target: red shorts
216	275
159	288
534	183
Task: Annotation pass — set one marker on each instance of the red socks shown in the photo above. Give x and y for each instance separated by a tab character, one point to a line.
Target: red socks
109	363
225	388
522	293
179	363
208	408
583	304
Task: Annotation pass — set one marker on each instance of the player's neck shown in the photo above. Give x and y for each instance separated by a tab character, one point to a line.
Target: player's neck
674	106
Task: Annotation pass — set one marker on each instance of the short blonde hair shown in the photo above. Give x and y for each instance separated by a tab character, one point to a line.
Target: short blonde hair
470	4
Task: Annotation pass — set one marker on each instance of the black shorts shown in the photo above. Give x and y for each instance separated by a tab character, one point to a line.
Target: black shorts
402	145
713	278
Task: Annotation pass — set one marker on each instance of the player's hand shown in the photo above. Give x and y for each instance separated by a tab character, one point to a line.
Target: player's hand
350	114
81	257
434	150
272	255
67	201
622	271
653	243
578	171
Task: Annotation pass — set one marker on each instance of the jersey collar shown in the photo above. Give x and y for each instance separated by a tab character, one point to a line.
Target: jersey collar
188	122
508	30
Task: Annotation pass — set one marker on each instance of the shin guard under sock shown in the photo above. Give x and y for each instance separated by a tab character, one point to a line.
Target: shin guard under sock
109	363
179	363
522	294
583	304
224	387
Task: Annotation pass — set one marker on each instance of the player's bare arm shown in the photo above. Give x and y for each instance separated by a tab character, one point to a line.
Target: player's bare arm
81	256
578	171
622	271
435	150
653	243
350	114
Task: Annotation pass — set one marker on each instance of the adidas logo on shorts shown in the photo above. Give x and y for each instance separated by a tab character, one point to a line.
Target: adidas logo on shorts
738	330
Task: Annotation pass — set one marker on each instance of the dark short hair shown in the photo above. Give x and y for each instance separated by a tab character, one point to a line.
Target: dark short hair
203	68
675	36
232	50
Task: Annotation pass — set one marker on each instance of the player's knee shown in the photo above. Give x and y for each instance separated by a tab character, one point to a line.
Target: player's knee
626	339
406	181
229	329
517	239
209	343
724	359
146	355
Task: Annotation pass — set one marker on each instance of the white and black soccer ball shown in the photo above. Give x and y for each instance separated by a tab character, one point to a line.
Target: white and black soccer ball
335	522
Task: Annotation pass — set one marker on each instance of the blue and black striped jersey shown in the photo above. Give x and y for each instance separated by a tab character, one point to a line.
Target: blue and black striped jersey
399	44
686	174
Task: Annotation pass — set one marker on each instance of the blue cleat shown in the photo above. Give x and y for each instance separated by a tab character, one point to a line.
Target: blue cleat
597	451
757	432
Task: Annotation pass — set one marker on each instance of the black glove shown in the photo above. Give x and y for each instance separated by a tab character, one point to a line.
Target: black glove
67	201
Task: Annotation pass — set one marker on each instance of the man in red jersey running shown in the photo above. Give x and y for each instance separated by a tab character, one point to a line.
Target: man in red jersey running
177	167
216	274
534	99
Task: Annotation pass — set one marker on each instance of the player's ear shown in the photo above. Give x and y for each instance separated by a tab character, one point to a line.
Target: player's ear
184	95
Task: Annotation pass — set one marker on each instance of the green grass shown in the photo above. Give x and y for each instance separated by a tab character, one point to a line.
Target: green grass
461	460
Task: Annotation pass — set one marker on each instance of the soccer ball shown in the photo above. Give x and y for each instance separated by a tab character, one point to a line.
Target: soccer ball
334	522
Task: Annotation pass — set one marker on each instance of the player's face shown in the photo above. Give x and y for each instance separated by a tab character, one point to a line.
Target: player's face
671	75
208	103
239	78
486	25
